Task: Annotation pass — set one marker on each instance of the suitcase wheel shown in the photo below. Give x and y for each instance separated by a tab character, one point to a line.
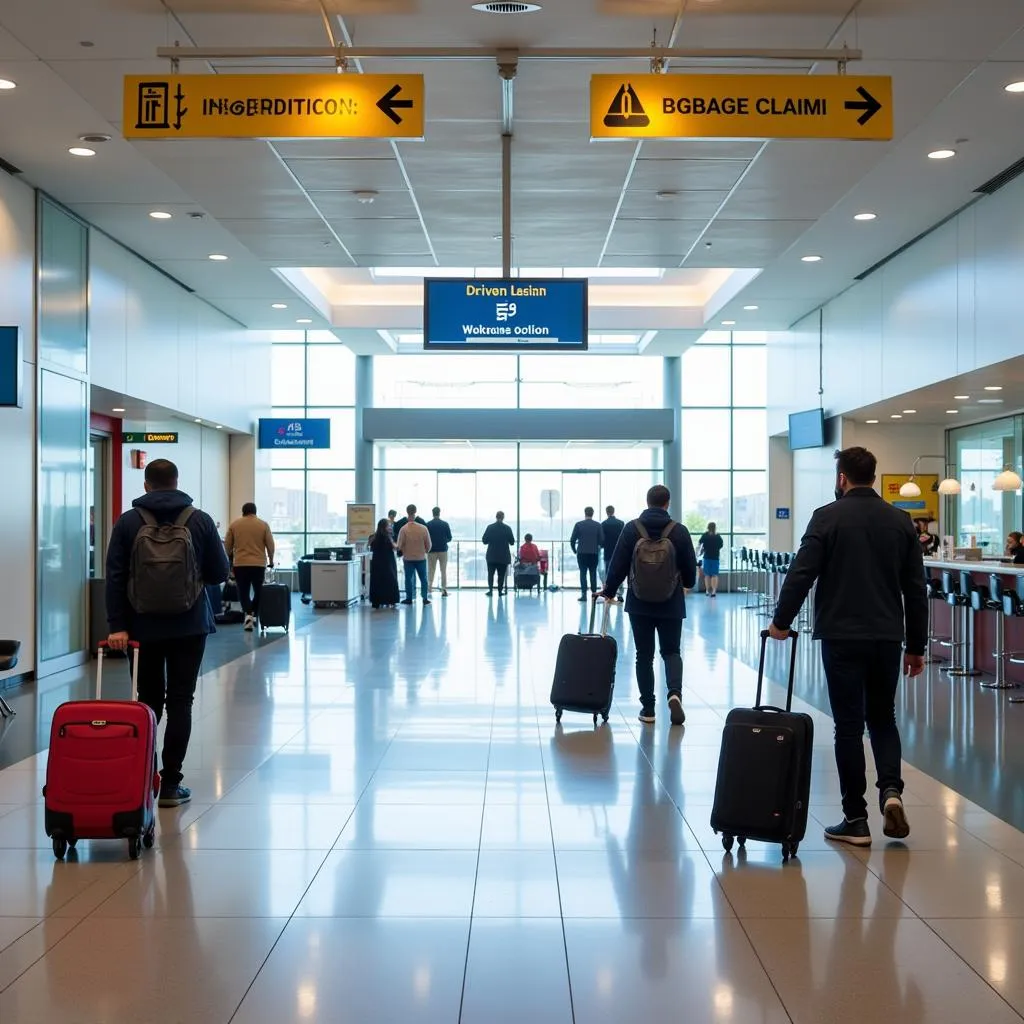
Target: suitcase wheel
789	850
604	716
60	847
727	842
558	714
595	718
149	839
72	843
134	847
742	840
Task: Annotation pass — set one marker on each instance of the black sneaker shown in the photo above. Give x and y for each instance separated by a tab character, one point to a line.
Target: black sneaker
426	600
408	600
646	716
675	709
856	833
583	599
174	796
896	825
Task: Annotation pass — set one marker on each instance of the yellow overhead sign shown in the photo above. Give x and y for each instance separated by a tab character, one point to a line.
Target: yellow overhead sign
740	107
345	106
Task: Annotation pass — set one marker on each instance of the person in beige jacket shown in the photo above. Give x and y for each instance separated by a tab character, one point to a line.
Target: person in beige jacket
413	546
250	547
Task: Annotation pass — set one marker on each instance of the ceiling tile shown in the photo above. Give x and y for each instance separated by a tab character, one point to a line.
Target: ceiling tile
344	204
658	175
381	236
634	237
684	205
347	175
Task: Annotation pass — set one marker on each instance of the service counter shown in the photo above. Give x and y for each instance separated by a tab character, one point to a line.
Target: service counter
983	623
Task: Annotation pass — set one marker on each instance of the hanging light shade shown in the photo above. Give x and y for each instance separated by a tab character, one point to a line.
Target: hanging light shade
910	489
949	486
1008	480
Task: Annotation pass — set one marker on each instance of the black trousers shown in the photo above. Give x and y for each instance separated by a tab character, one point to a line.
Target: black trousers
501	570
250	586
168	671
862	679
669	634
588	566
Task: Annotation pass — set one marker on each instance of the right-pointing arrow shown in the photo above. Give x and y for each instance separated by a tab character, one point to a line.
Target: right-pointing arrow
867	103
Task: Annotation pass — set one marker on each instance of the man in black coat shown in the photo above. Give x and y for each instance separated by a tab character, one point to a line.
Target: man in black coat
499	540
866	559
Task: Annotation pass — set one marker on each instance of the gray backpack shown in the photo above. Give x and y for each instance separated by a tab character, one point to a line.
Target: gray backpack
164	577
653	573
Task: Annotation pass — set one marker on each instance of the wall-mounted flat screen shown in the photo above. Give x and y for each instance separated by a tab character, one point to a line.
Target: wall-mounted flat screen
11	369
488	314
308	433
807	429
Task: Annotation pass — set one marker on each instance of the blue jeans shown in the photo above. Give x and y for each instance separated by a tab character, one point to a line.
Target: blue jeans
412	570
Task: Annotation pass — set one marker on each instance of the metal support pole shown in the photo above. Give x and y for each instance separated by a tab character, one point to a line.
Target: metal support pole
506	204
364	447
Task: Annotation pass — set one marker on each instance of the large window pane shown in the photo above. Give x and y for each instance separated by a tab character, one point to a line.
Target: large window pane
750	502
63	289
445	381
705	373
750	376
705	499
705	439
289	548
328	494
749	439
342	453
288	374
332	380
288	493
589	382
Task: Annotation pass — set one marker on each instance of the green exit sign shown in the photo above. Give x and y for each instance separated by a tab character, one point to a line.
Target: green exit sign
165	438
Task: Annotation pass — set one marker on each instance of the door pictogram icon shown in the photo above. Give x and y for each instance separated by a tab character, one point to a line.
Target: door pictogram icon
626	110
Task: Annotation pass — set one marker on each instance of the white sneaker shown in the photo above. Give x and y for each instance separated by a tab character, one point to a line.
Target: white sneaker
250	622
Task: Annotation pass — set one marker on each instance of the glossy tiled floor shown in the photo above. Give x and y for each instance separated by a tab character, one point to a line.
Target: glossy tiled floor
389	827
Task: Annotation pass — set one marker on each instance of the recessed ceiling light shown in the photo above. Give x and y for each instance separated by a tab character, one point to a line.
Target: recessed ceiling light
81	151
1015	87
990	401
865	216
159	215
117	410
728	323
197	420
993	387
279	305
750	309
6	83
961	398
217	257
303	320
952	412
218	427
909	412
811	259
941	154
871	421
895	416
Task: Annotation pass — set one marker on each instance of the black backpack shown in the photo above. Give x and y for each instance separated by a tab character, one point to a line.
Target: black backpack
653	571
164	576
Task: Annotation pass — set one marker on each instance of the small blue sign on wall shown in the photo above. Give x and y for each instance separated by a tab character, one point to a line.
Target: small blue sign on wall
11	370
295	433
782	513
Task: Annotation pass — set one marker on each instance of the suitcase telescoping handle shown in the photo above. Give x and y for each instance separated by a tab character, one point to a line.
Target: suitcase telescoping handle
102	647
605	615
792	672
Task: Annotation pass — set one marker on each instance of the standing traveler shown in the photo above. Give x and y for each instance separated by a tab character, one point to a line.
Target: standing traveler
657	555
250	547
866	558
440	537
586	542
383	568
610	530
395	526
711	544
413	546
162	554
499	540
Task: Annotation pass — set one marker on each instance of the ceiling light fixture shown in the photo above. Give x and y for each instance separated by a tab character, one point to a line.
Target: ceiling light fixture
811	259
365	195
1015	87
159	215
948	485
303	320
506	7
117	410
6	83
218	427
909	412
865	216
197	420
990	401
217	257
941	154
91	137
871	421
993	387
81	151
750	309
952	412
279	305
961	398
728	323
910	489
1008	480
895	416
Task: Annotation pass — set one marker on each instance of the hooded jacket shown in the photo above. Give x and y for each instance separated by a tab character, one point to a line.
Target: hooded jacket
210	554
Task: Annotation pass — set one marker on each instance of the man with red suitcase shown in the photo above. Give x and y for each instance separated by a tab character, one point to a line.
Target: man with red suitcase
162	554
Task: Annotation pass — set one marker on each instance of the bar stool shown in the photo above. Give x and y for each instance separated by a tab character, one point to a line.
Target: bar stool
933	589
967	590
957	642
995	600
1013	608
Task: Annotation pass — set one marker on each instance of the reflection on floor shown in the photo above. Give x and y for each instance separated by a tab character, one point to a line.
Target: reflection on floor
388	826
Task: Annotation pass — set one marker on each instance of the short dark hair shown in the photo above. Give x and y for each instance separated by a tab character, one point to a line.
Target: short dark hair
162	475
499	515
1016	535
712	528
658	496
411	509
391	512
529	538
610	510
435	511
249	509
588	511
858	465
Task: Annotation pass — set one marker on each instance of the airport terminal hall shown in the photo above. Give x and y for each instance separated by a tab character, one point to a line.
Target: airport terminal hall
513	512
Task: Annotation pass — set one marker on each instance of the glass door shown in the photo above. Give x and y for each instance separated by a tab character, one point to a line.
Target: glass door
99	502
581	488
456	496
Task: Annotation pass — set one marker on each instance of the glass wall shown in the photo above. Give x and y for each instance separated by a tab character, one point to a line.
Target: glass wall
979	453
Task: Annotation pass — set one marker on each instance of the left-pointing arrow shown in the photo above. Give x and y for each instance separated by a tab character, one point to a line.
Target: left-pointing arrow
388	104
867	103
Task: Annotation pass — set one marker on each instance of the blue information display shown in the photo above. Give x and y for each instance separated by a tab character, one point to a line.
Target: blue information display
495	313
295	433
11	369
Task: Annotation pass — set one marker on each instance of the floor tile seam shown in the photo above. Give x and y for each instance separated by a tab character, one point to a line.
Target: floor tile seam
45	953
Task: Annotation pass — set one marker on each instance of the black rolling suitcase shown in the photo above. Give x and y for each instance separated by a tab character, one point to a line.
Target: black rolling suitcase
275	605
764	770
585	671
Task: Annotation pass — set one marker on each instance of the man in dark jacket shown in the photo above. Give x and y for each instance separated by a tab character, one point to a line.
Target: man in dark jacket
499	540
865	556
586	542
610	530
171	647
663	619
440	537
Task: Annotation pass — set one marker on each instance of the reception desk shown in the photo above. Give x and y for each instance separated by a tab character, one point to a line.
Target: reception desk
983	623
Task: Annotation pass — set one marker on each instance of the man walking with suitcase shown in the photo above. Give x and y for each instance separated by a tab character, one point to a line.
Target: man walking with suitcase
866	559
250	547
657	555
162	555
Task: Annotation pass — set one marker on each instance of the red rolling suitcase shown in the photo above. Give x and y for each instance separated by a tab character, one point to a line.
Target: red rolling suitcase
101	779
585	671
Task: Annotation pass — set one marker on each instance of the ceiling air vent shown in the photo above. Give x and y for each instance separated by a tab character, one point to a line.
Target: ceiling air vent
1004	177
506	7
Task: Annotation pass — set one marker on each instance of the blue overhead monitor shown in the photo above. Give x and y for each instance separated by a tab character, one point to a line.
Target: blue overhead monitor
489	314
807	429
11	369
306	433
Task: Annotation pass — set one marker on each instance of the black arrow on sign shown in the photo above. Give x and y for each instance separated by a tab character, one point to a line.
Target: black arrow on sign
867	103
388	104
